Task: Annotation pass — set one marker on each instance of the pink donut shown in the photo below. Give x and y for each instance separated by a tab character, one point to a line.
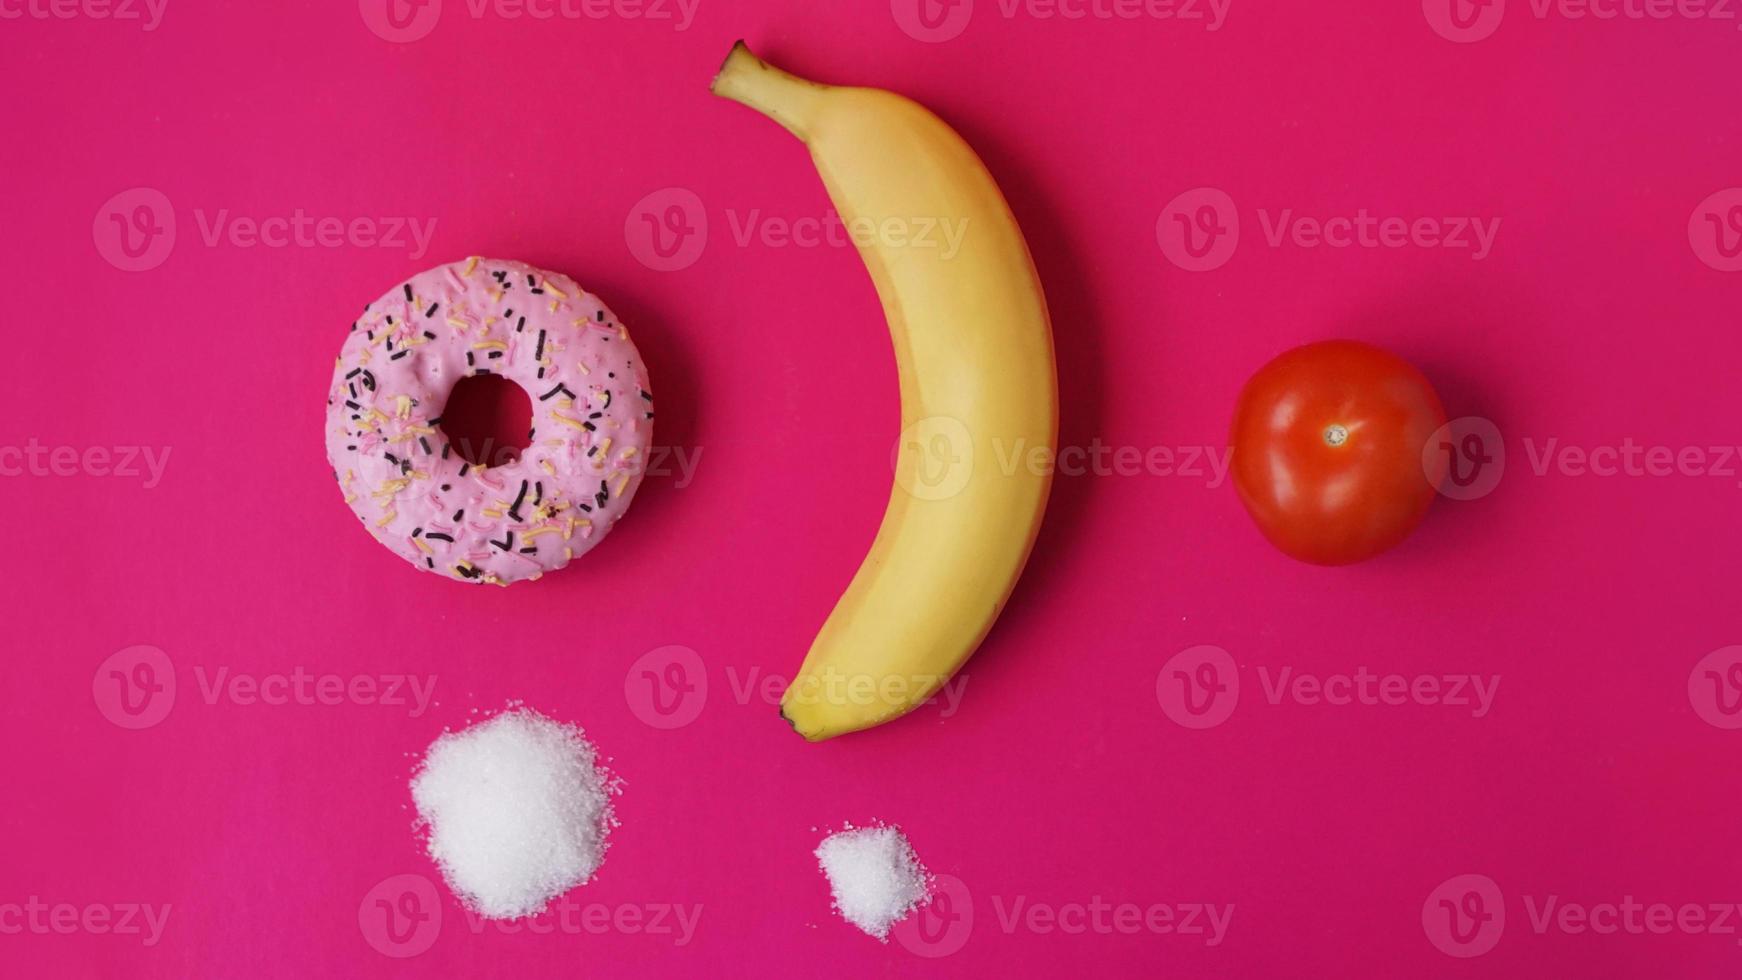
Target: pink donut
591	424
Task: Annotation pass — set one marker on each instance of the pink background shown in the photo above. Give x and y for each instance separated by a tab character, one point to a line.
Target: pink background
1060	779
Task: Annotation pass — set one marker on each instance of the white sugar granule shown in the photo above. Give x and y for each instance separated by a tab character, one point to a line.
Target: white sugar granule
517	809
875	876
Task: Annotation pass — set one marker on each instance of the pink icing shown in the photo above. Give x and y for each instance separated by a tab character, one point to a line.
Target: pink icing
592	421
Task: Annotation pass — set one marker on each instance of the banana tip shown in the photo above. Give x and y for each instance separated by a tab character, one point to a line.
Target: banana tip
737	46
807	736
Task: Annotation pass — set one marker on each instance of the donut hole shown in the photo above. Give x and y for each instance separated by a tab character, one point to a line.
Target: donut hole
488	420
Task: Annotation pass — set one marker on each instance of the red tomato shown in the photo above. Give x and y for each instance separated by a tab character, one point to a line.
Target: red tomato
1328	450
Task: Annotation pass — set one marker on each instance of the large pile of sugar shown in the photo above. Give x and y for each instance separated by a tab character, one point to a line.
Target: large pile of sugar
875	876
517	809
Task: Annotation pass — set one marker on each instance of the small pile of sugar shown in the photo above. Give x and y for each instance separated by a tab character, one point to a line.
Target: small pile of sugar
517	809
875	876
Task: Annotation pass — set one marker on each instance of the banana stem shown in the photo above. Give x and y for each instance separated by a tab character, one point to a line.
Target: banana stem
783	97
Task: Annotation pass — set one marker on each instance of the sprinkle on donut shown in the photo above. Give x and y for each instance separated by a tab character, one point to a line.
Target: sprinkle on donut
591	426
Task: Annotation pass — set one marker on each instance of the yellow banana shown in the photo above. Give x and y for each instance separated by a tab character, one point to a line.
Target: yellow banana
973	344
